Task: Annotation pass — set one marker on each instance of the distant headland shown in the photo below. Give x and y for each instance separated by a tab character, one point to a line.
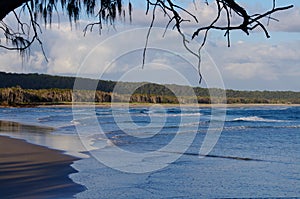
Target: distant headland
40	89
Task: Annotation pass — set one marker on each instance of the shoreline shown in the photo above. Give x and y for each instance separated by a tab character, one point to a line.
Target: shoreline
33	171
120	105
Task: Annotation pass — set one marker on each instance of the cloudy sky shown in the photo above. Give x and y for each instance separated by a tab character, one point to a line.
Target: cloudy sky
251	63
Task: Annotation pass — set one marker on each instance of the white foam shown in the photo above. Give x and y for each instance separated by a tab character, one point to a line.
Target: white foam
255	119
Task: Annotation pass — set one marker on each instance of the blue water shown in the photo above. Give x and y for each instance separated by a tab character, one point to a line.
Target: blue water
257	153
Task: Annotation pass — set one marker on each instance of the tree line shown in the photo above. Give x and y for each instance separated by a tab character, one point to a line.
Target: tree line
41	88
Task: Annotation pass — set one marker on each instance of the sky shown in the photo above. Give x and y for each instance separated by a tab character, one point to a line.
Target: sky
251	63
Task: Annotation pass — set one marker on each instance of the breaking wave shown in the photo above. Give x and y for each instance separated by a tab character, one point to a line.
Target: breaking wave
254	119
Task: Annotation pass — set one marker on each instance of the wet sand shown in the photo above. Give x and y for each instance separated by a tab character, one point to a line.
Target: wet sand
31	171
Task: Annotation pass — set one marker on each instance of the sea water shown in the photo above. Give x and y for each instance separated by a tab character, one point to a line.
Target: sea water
257	153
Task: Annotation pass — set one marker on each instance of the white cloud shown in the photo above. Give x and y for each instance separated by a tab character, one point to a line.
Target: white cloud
289	21
10	61
250	71
261	64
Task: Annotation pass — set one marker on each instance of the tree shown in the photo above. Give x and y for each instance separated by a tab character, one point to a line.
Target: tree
24	34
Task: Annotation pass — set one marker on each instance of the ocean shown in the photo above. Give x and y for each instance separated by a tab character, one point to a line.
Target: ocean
170	152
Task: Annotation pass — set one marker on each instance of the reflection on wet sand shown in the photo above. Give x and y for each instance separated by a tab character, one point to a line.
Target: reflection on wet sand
15	127
44	136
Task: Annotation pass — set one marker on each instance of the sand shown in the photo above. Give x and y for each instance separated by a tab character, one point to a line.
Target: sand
31	171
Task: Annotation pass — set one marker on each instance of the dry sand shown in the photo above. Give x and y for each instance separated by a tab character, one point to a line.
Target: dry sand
31	171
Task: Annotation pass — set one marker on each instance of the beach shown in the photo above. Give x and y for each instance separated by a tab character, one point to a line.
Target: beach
255	156
31	171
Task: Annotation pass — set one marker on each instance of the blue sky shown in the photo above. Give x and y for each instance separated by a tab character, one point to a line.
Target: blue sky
267	3
251	63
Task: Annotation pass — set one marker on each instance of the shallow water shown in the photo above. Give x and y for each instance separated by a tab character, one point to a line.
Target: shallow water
256	155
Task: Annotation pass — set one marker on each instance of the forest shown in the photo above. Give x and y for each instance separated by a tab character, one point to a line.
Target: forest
36	89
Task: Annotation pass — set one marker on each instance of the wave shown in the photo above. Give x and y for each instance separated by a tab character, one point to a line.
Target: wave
178	115
293	127
254	119
149	114
237	128
190	114
52	118
215	156
174	110
167	126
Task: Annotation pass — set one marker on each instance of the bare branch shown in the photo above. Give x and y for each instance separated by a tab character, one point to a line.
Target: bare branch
249	22
108	11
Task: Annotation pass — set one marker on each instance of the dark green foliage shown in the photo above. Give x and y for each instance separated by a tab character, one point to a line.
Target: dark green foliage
108	9
147	93
263	96
40	81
